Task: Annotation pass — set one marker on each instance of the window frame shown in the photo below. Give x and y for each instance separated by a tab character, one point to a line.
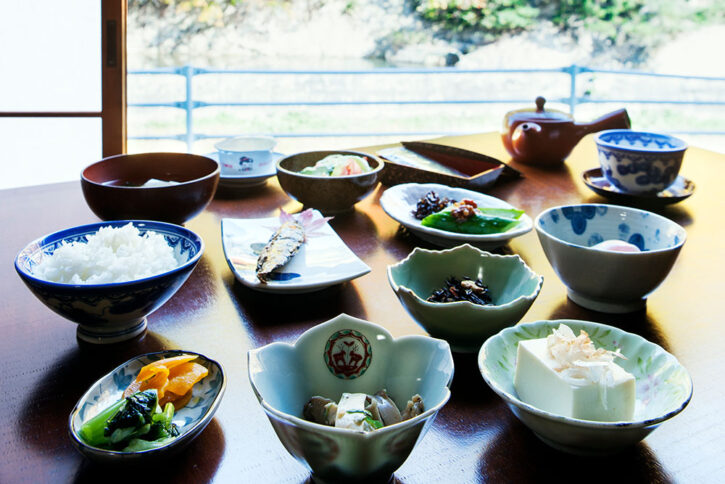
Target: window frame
113	82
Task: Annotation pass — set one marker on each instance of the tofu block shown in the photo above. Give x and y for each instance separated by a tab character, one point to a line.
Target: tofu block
539	384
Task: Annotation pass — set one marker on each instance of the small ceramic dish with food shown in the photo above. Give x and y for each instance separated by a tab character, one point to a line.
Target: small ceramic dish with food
347	400
645	387
680	189
609	257
464	295
329	181
245	155
170	187
151	406
288	254
448	217
638	161
108	276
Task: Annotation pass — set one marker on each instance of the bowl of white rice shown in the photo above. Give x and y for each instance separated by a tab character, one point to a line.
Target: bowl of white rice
108	276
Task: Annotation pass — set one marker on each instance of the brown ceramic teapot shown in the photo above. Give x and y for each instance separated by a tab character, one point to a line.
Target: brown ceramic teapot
546	137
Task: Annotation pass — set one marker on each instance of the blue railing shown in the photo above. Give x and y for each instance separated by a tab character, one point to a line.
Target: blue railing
189	104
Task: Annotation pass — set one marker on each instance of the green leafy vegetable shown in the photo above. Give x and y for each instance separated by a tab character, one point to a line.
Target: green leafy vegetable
484	221
136	423
376	424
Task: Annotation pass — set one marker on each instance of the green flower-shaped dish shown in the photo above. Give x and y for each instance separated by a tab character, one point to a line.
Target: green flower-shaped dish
512	284
664	387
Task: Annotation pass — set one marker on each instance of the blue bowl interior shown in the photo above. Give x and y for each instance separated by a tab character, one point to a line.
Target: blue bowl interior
639	141
187	245
587	225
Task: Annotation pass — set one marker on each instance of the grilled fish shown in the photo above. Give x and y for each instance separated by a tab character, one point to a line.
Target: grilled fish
285	242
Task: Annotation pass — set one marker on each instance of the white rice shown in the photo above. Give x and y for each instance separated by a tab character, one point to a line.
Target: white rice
111	255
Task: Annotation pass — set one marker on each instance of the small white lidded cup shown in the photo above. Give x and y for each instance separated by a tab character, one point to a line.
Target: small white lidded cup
245	155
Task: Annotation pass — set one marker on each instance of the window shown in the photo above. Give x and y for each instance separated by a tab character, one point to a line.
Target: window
62	92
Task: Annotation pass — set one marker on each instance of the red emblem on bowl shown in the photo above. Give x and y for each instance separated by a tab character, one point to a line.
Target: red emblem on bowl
348	354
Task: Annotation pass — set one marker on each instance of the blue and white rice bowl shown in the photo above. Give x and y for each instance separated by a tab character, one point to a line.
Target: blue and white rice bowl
603	280
639	162
112	312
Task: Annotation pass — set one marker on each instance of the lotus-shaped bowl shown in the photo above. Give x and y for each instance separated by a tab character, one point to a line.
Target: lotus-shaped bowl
512	284
350	355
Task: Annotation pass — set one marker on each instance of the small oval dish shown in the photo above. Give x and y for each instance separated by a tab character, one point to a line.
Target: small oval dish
347	354
663	387
400	201
191	419
512	285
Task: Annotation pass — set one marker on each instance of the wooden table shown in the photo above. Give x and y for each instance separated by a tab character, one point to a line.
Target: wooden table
475	438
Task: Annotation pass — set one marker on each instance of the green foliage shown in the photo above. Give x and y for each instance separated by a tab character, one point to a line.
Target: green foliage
495	17
630	26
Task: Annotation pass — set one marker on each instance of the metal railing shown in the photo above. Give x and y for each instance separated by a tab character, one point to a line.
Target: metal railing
189	104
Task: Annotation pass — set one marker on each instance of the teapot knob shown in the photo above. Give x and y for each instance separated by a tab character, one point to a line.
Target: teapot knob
540	104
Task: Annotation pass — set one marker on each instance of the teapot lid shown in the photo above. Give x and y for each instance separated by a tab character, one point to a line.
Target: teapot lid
539	114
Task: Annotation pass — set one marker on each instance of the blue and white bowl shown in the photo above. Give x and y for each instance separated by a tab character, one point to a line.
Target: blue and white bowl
191	419
109	313
639	162
604	280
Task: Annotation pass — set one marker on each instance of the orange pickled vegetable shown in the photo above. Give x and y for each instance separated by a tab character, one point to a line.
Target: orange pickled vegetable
149	378
173	379
183	377
179	401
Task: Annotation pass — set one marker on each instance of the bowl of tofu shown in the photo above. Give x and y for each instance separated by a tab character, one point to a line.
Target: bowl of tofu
582	387
349	401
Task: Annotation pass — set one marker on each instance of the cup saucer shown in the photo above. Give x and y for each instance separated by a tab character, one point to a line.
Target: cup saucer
678	191
247	180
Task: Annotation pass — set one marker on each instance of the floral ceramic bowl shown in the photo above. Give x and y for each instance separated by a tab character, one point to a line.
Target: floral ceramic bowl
663	387
350	355
639	162
605	280
191	420
109	313
512	284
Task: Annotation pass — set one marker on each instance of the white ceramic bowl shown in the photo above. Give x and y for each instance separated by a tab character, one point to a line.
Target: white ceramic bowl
245	155
400	201
639	162
607	281
285	376
512	284
663	387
